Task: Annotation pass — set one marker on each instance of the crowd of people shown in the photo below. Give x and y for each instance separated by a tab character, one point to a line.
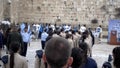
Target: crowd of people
63	46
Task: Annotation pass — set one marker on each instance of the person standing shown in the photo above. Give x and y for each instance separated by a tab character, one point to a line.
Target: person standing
70	40
14	36
1	42
15	60
44	36
99	31
26	40
83	28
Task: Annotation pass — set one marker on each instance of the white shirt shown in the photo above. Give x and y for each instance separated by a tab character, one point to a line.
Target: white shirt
99	29
37	27
53	27
44	36
82	29
55	35
25	37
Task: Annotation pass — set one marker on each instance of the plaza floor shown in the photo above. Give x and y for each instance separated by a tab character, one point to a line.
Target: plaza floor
100	52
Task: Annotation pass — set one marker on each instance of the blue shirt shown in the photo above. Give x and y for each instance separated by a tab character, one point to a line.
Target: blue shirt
25	37
44	36
90	63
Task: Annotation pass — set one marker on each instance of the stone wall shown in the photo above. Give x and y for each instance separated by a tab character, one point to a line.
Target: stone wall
63	11
1	9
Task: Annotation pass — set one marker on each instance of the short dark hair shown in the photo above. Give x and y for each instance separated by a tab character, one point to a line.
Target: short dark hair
116	56
57	52
84	47
68	36
77	54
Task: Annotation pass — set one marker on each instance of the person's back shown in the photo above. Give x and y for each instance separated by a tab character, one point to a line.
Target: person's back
44	36
15	36
77	54
15	60
20	61
90	63
62	34
116	57
71	42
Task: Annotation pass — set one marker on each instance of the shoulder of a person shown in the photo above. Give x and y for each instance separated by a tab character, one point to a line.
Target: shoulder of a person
91	60
22	58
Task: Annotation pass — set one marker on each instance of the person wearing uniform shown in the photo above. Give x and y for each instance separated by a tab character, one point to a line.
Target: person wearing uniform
14	60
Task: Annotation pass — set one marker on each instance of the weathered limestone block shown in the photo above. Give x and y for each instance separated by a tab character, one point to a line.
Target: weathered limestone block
68	11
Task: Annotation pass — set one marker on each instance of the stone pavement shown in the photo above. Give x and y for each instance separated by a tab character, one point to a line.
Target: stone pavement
100	52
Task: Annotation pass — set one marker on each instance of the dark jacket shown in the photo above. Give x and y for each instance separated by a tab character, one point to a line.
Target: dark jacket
14	37
1	40
90	63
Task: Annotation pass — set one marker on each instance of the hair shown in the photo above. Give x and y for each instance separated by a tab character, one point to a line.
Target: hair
57	52
116	56
7	32
19	29
84	35
73	32
14	48
14	28
45	30
57	32
84	47
77	55
84	25
68	36
62	30
100	26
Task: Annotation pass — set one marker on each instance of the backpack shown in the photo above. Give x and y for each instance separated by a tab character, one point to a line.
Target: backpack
3	61
39	53
107	64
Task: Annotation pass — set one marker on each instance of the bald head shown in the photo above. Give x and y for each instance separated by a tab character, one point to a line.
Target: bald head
57	52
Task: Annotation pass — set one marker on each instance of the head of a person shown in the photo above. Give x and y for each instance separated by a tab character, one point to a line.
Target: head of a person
14	29
86	33
8	30
100	26
69	36
62	30
45	30
116	57
77	54
84	47
50	29
55	32
84	25
73	32
58	53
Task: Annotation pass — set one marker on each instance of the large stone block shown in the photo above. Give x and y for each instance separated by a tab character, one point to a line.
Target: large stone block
69	11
